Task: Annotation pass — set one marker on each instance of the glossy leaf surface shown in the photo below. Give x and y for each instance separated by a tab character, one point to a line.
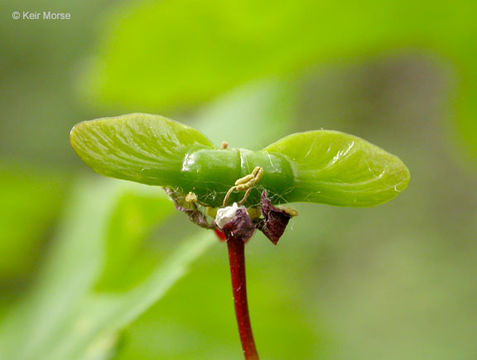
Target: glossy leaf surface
317	166
340	169
140	147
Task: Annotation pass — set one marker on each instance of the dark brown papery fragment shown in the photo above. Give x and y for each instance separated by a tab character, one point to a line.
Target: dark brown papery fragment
274	220
240	227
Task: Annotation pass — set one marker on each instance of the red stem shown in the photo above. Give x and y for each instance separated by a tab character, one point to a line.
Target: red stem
237	269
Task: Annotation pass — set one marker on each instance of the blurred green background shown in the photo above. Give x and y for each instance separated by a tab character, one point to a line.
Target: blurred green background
92	268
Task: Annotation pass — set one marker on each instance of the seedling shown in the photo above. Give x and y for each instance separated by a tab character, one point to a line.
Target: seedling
237	191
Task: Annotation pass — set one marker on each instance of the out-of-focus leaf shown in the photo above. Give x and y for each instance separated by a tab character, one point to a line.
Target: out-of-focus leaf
189	56
251	115
340	169
140	147
205	328
467	112
30	202
101	316
65	317
163	54
69	272
130	254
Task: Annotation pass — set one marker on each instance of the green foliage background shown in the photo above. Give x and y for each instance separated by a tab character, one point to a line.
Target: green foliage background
85	260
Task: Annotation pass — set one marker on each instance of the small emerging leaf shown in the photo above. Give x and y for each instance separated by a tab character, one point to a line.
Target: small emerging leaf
339	169
140	147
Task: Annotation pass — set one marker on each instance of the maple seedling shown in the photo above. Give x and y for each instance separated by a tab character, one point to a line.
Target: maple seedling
236	191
